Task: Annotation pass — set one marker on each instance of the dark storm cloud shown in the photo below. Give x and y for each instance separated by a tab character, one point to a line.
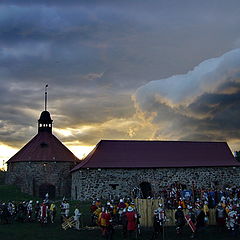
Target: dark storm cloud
203	104
211	104
118	41
221	121
95	54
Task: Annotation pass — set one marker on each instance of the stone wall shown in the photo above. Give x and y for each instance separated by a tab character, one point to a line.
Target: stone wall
2	177
29	176
101	183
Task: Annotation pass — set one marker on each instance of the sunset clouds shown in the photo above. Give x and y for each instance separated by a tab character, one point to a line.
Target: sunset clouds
120	70
201	104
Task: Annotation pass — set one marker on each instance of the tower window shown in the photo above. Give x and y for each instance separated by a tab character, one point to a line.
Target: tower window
43	145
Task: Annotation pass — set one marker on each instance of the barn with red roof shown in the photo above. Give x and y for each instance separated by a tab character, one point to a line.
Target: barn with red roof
120	167
43	165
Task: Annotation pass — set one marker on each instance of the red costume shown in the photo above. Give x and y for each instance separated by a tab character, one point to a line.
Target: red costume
43	213
93	208
104	222
132	221
104	219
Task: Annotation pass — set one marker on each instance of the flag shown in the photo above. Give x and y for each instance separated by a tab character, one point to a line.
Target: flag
190	223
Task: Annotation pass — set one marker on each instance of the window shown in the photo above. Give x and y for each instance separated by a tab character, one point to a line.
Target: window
44	145
114	186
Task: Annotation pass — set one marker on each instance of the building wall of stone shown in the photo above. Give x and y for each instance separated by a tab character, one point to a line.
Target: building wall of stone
29	176
93	183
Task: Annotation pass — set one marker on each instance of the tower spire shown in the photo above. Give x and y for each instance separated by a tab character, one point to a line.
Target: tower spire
45	121
45	103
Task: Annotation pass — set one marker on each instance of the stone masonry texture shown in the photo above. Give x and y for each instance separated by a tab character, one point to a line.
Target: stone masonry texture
103	183
29	176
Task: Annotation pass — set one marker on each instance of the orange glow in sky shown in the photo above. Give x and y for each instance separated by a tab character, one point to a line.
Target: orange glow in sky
7	152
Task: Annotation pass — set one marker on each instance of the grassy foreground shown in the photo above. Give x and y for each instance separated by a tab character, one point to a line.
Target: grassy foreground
34	231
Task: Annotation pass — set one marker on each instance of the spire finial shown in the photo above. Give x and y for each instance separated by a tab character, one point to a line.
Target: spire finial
46	97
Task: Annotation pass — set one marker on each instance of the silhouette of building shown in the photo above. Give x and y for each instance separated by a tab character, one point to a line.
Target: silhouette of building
43	165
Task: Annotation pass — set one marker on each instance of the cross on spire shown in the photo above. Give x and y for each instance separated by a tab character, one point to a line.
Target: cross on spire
45	103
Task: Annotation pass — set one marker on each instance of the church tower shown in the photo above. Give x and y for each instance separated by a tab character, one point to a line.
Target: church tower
43	165
45	121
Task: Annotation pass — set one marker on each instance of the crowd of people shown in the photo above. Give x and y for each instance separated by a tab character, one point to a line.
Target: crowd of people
29	211
191	207
194	214
106	216
116	212
178	194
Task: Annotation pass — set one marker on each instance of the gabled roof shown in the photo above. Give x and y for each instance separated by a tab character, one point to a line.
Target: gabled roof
158	154
44	147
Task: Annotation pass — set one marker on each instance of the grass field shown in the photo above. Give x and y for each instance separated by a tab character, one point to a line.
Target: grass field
34	231
8	192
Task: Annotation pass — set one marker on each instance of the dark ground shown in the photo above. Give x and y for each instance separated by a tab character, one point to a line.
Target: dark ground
34	231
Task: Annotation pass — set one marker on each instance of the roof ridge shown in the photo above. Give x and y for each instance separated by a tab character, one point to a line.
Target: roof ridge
159	154
139	140
87	158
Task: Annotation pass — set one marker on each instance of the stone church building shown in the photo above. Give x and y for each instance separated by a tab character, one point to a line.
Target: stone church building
43	165
116	167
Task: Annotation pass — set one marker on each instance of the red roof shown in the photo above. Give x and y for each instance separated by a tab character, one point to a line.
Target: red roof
158	154
44	147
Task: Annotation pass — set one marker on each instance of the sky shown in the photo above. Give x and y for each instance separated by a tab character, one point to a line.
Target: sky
151	70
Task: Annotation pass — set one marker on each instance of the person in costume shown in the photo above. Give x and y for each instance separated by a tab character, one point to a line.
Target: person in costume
104	221
67	209
159	220
37	209
131	221
120	208
43	213
179	220
192	216
77	216
29	210
52	212
232	221
200	219
124	222
221	215
93	208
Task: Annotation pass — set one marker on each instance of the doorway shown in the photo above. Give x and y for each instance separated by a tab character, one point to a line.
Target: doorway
47	188
146	189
